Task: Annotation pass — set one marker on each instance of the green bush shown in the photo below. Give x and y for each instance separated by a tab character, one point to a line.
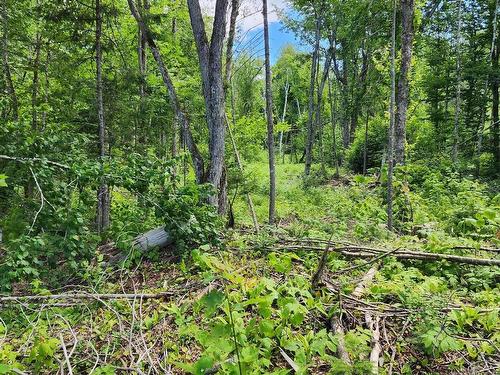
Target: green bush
377	140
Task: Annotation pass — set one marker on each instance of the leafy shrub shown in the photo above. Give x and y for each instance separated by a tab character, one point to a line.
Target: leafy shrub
188	218
377	139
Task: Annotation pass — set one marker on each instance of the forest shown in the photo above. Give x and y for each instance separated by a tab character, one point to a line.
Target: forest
249	187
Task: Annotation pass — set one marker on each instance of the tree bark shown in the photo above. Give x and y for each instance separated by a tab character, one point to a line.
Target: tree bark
6	66
407	10
495	82
269	117
365	145
196	157
319	101
280	149
312	85
141	59
458	83
390	143
333	119
35	82
235	8
103	197
210	58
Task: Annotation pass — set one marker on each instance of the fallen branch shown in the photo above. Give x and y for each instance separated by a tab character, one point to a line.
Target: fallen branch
365	281
339	331
80	295
27	160
368	252
374	326
321	265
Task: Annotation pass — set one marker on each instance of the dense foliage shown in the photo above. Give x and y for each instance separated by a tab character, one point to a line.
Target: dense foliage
87	113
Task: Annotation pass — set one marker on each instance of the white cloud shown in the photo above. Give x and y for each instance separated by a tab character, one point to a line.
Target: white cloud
250	16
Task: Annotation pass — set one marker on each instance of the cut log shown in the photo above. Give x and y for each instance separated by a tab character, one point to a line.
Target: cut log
365	281
155	238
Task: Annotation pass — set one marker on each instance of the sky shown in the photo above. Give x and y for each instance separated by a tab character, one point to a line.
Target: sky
250	27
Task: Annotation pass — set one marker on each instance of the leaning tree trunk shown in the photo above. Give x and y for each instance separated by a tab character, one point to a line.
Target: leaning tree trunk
269	117
103	197
312	85
196	157
407	10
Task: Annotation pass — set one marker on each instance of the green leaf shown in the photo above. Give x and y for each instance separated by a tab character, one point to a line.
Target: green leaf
5	369
212	301
202	365
2	180
267	327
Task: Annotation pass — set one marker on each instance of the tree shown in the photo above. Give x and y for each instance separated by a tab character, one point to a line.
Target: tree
458	74
210	59
103	195
5	62
312	86
269	117
495	83
390	143
196	157
407	11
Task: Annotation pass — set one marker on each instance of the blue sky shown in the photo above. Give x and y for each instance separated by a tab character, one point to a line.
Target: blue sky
250	27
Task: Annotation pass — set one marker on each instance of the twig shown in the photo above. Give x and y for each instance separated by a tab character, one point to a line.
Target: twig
26	160
367	262
321	265
42	197
290	361
66	357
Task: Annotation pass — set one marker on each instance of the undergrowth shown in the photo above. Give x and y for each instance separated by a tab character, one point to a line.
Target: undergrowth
239	303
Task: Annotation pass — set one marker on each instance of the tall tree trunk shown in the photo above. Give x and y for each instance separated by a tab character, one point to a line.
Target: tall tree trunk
492	79
312	85
196	157
407	10
35	82
229	87
269	116
141	58
6	66
495	82
103	198
46	87
333	119
458	74
210	58
365	145
390	143
319	102
287	86
235	8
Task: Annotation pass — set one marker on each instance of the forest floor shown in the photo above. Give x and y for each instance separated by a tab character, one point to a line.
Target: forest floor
289	299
